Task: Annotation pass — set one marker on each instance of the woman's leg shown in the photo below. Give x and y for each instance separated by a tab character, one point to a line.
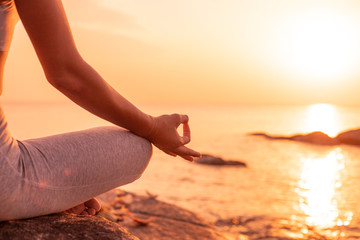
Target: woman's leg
55	173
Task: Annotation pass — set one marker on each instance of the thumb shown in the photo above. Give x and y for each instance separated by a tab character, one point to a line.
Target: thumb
186	138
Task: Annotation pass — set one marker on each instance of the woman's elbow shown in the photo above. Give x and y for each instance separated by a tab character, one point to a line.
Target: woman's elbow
64	82
65	77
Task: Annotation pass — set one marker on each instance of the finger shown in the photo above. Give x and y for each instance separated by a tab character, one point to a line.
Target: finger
184	118
170	153
181	118
186	138
166	151
185	151
187	157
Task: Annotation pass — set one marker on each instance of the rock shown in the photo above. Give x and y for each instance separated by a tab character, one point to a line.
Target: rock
275	228
63	227
167	221
213	160
147	219
351	137
314	138
270	136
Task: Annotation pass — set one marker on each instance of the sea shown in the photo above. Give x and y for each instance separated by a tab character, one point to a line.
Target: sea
289	190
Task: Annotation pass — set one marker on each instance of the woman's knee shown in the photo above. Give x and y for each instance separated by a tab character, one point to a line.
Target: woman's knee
145	153
137	149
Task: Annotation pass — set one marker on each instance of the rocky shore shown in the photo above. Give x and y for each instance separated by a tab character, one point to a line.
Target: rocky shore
63	227
124	216
148	218
351	137
127	216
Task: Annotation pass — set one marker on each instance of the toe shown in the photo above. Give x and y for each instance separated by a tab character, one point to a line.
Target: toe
94	204
84	213
91	211
78	209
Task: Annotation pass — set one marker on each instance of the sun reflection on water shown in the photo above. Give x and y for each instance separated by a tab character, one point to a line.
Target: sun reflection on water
319	181
322	117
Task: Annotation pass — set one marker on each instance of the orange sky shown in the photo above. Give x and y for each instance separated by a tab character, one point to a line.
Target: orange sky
207	51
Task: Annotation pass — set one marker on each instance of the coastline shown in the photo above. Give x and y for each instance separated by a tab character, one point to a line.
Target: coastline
128	216
149	212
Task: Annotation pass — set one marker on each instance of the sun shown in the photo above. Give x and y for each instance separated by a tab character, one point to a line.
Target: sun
320	44
322	117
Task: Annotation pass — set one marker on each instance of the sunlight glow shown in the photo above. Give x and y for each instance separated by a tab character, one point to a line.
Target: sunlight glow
318	183
322	117
321	44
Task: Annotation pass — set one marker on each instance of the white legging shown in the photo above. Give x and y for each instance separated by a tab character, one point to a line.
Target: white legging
52	174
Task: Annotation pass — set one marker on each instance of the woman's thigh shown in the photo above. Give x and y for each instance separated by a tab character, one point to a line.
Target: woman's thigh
58	172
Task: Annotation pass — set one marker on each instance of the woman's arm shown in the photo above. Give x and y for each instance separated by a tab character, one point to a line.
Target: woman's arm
47	26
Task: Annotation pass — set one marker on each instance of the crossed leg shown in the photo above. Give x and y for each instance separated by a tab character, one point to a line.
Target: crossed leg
65	172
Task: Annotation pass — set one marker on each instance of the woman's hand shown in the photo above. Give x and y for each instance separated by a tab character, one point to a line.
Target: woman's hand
164	136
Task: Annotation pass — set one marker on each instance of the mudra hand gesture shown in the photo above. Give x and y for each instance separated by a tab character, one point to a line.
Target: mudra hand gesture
164	135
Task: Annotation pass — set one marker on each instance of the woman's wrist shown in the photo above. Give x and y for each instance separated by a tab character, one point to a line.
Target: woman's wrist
146	127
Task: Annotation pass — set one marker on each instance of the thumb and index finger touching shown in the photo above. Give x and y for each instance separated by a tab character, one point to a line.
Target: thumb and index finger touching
186	136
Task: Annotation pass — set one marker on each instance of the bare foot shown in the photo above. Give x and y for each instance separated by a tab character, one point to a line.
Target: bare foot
90	207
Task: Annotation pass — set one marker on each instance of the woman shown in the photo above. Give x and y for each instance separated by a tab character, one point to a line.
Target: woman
64	172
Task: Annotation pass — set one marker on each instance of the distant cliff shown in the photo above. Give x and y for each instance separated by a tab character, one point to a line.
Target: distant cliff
351	137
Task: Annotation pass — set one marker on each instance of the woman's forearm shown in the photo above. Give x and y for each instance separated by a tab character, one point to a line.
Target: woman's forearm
83	85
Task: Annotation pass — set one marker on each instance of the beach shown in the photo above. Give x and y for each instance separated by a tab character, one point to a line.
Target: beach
288	190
